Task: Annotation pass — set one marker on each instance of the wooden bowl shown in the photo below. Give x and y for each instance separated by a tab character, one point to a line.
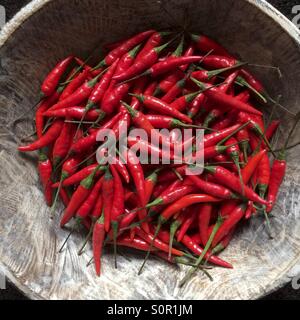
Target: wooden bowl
46	31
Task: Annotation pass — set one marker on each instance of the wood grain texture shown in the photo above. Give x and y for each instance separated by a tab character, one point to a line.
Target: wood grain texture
45	32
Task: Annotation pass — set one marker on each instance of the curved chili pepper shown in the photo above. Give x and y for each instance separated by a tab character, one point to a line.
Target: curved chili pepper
88	205
77	97
45	172
121	168
51	135
211	188
77	113
98	240
206	44
97	93
160	106
183	102
175	91
51	81
63	143
165	122
243	138
215	137
193	247
137	174
87	142
123	48
80	175
142	64
42	108
263	175
223	99
204	216
236	215
228	179
186	225
220	61
272	129
79	196
107	198
75	84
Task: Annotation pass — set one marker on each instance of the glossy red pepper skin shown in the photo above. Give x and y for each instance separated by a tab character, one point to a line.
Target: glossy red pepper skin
125	47
42	108
119	196
206	44
63	143
45	172
76	113
215	137
158	105
97	93
226	178
49	137
98	241
263	175
86	208
276	178
51	81
79	176
204	216
231	221
75	84
79	196
107	198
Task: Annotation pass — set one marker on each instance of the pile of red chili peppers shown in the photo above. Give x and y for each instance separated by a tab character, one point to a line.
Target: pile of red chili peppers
158	80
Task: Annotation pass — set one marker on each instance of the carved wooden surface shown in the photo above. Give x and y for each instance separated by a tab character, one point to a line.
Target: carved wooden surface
46	31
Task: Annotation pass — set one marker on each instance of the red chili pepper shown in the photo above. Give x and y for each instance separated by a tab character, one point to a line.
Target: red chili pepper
183	102
263	174
64	196
42	108
183	203
154	41
135	243
206	44
97	210
211	188
236	215
79	196
77	113
97	93
63	143
98	240
85	143
75	84
45	172
51	81
170	64
107	198
157	243
124	47
272	129
215	137
80	175
165	122
220	61
186	225
77	97
228	179
174	92
50	136
171	196
87	206
142	64
118	199
204	216
121	168
162	107
243	138
225	100
193	247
